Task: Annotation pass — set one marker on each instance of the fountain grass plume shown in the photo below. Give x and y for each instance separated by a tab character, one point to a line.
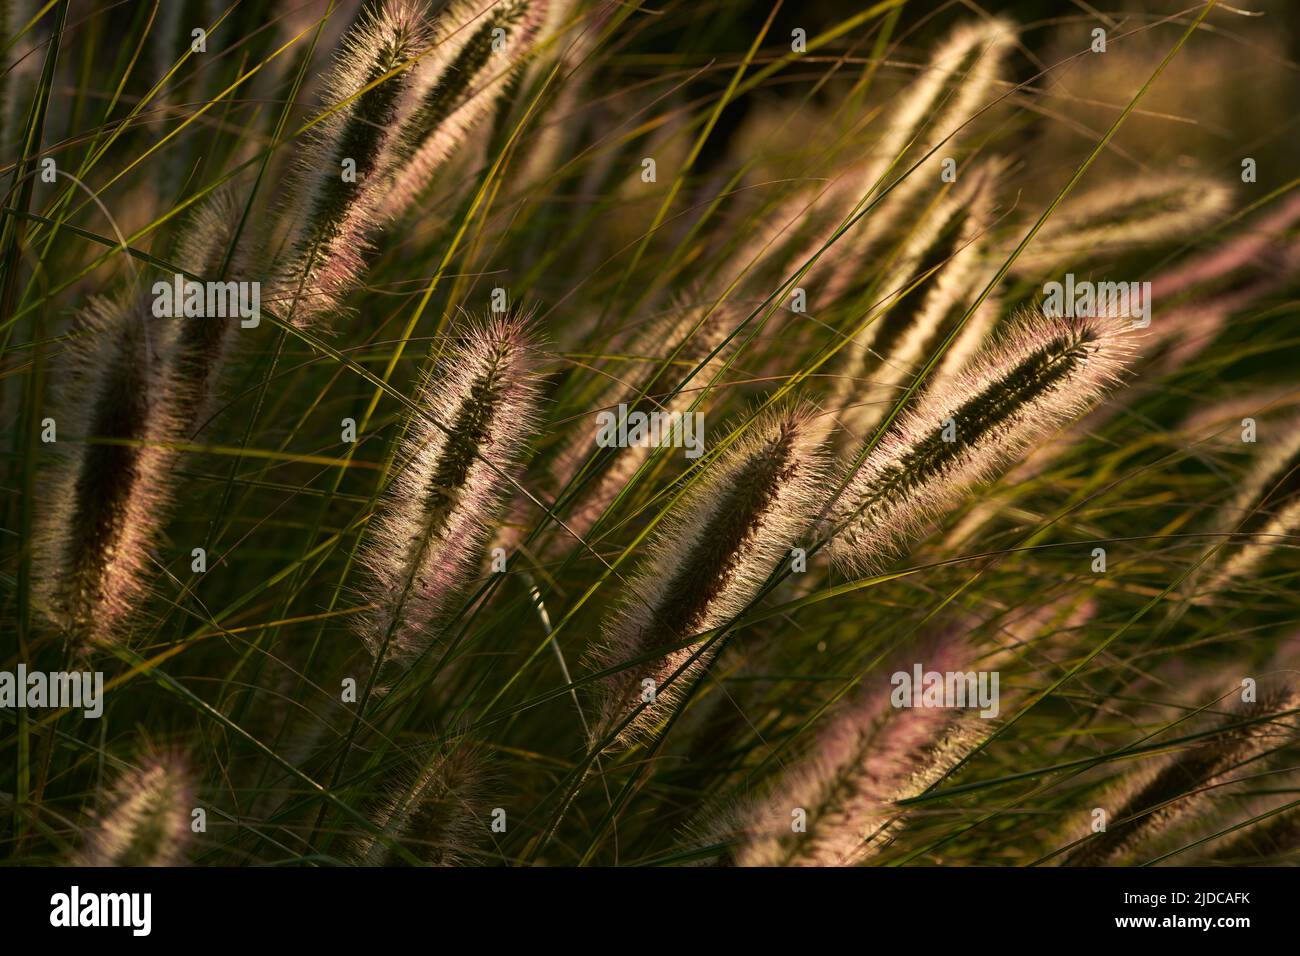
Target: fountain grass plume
147	821
957	82
107	488
1277	836
870	755
333	208
720	544
1265	513
1118	217
480	46
694	332
937	274
1043	373
195	351
426	541
433	809
953	87
1148	802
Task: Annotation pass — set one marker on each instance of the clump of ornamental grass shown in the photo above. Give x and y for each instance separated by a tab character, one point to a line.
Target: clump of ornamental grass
724	538
1264	514
1043	373
1115	218
937	275
435	810
147	817
108	484
453	147
458	463
350	160
1148	802
836	806
480	45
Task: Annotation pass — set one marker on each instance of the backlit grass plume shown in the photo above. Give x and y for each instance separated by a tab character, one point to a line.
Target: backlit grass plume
426	541
196	349
140	385
932	112
836	807
1276	837
436	812
1148	802
937	275
1265	513
1042	374
147	817
934	108
1115	218
351	158
480	44
107	483
726	536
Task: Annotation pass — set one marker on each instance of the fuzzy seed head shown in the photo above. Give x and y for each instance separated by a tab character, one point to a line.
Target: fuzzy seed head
434	811
426	542
1044	373
1149	801
480	46
107	490
946	260
333	213
718	547
1265	513
148	818
870	755
698	330
1114	218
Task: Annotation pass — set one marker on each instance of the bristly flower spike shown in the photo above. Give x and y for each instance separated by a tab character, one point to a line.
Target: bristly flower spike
945	261
346	173
1044	373
106	494
425	543
1120	217
433	812
1264	514
148	819
726	537
870	755
480	45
